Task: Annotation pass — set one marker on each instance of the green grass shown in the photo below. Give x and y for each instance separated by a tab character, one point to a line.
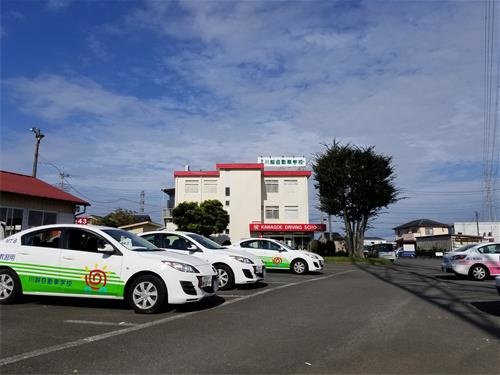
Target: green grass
349	260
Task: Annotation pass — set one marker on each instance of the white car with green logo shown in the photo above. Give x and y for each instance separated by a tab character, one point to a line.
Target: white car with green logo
234	268
277	255
73	260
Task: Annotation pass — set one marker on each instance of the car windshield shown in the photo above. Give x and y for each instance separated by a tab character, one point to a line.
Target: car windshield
385	247
205	242
464	247
130	240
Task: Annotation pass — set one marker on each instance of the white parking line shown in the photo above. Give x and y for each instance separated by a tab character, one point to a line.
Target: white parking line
121	324
86	340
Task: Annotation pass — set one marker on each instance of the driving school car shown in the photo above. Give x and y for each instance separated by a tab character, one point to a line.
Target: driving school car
277	255
478	261
74	260
232	267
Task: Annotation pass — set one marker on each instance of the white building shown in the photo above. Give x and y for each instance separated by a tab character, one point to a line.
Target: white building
487	229
260	202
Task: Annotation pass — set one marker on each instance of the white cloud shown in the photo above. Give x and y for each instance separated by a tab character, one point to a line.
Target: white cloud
260	78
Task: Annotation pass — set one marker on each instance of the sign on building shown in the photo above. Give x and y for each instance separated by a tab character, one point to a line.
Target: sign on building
282	161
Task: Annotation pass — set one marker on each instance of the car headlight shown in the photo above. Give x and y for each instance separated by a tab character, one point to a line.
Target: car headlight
241	259
183	267
312	256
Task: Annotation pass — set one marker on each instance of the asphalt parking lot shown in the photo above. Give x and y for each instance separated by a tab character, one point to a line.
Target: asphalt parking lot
405	318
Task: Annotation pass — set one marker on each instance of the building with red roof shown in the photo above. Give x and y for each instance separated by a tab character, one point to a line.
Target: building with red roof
27	201
269	198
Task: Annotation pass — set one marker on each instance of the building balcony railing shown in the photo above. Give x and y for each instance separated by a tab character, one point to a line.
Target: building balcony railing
167	212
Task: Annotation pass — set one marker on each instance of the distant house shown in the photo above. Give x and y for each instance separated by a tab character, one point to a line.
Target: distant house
445	242
407	233
27	202
489	230
144	226
373	241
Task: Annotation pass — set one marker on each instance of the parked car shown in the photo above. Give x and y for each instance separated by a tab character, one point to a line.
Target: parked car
277	255
382	250
478	261
74	260
234	268
402	253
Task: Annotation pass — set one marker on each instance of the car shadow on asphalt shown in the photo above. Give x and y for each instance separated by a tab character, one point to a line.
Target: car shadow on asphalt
257	285
91	303
204	304
452	296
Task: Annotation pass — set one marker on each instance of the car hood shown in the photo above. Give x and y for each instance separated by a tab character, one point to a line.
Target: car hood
239	253
306	253
172	257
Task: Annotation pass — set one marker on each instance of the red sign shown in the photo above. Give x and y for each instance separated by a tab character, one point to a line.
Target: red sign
82	220
287	227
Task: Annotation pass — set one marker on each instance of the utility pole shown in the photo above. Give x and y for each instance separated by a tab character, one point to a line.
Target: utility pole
142	202
38	137
477	222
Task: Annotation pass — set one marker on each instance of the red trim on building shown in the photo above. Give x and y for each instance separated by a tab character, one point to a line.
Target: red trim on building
240	166
26	185
196	174
287	173
287	227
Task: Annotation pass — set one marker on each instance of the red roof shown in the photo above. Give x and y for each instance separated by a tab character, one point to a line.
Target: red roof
32	186
196	174
285	173
240	166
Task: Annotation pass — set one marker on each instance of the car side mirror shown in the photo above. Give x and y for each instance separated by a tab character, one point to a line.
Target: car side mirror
107	248
282	250
192	247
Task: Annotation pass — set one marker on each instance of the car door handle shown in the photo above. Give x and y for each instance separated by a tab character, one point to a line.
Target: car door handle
23	253
68	258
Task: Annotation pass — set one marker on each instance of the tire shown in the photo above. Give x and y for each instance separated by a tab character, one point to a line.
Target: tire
226	276
299	267
478	272
10	286
147	294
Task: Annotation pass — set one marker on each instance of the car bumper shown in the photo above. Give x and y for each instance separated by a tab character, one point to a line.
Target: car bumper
192	288
316	265
250	275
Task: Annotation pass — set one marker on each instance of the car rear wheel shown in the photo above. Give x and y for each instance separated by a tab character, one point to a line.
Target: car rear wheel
147	294
10	286
226	277
299	266
478	272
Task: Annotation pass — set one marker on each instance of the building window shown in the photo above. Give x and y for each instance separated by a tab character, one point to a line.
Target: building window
13	219
272	186
291	185
291	212
272	212
37	218
227	203
429	231
191	186
228	192
210	186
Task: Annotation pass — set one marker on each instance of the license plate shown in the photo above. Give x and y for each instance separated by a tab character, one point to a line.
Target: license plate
206	281
258	269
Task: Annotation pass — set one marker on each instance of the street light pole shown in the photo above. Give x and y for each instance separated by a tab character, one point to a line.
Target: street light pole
38	137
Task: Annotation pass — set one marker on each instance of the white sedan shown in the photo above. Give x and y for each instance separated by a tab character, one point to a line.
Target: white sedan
73	260
277	255
233	267
478	261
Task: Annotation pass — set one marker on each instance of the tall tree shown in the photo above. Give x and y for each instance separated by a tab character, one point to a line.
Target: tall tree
206	218
354	183
119	217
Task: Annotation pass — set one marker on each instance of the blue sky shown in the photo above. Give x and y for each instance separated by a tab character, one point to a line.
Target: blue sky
126	92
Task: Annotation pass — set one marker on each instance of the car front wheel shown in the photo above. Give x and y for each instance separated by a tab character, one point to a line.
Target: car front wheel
147	294
10	286
299	266
478	272
226	277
